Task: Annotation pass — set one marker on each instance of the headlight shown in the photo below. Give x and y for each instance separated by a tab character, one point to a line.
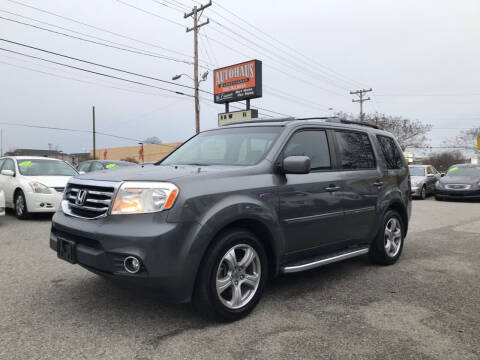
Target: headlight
439	185
144	197
39	188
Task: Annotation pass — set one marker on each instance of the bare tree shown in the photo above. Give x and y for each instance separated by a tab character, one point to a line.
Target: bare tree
409	133
466	139
443	160
152	140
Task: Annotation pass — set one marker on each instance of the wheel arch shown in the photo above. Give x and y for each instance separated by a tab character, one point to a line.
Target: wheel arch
400	208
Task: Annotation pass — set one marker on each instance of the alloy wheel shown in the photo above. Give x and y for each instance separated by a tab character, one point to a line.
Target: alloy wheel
20	205
393	237
238	276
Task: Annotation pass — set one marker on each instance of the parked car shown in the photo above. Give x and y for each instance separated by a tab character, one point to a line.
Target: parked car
423	179
33	184
2	201
236	205
95	165
461	181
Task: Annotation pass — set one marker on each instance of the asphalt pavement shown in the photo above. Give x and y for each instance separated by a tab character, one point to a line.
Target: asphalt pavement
427	306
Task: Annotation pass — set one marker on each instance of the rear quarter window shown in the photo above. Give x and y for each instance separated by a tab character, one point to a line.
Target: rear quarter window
391	152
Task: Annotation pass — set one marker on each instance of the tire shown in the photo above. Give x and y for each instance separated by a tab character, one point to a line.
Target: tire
240	287
423	193
21	210
386	249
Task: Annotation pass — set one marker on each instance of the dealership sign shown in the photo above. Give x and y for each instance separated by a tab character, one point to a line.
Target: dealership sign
238	82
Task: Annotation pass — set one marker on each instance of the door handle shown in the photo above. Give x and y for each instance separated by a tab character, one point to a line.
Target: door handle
378	183
332	188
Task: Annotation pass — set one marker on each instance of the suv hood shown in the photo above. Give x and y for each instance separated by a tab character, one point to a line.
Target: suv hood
154	173
470	180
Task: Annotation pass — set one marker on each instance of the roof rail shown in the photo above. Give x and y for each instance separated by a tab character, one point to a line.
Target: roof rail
344	121
256	121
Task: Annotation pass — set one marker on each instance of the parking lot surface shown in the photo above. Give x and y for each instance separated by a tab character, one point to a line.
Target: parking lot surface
427	306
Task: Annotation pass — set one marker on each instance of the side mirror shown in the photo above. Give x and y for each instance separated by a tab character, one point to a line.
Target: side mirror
296	165
8	173
442	174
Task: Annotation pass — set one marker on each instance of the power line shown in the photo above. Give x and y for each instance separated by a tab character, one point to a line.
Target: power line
151	13
290	76
285	45
97	64
116	77
96	73
98	28
296	66
84	81
124	48
66	129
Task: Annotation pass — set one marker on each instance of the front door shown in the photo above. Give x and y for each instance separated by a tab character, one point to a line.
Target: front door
310	204
8	182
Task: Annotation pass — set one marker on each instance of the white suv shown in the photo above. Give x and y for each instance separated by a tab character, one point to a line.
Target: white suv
33	184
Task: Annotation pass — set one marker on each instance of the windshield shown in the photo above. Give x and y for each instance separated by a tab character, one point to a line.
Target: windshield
464	171
417	171
236	146
45	167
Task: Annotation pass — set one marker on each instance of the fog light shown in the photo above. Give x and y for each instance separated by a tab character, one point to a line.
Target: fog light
131	264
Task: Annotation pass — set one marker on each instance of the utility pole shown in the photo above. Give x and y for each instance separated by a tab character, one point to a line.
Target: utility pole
196	26
1	142
93	118
361	99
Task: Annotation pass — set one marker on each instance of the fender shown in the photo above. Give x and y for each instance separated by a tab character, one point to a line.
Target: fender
392	197
228	210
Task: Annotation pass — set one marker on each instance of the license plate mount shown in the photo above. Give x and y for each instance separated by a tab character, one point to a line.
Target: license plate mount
66	250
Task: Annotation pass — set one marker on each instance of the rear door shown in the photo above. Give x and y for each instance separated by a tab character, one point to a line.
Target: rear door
310	204
361	183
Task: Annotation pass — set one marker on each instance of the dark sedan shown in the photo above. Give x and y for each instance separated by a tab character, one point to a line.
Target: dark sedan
460	182
95	165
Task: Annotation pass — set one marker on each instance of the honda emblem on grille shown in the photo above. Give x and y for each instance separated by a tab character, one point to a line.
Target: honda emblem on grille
81	197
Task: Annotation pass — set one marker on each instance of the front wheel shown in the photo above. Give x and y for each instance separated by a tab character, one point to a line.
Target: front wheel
21	206
423	193
232	276
388	244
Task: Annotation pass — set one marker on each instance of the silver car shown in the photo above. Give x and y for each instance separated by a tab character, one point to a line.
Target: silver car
423	179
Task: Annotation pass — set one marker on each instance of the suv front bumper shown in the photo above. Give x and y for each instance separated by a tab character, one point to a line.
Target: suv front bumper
164	249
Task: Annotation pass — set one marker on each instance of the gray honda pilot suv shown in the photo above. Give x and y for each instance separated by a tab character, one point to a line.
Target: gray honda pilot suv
236	205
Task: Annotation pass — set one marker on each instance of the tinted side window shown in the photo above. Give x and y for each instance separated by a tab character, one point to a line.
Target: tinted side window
1	163
9	165
96	166
390	152
83	167
311	143
355	150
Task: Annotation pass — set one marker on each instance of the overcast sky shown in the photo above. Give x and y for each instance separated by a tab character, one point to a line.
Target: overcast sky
422	58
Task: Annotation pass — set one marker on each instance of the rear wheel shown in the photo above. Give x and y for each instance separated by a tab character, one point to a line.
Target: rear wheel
388	244
21	206
232	276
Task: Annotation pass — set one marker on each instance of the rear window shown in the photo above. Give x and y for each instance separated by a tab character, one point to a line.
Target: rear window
355	150
391	153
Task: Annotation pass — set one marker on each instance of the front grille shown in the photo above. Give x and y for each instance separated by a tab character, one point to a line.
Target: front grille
96	202
458	186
